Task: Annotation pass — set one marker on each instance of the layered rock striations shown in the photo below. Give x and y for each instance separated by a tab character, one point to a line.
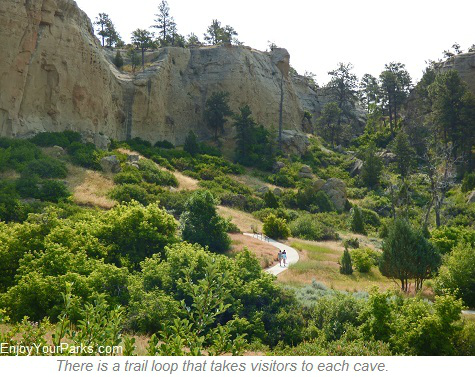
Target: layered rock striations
54	75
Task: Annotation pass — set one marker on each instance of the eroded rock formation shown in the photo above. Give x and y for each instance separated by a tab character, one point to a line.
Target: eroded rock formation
54	75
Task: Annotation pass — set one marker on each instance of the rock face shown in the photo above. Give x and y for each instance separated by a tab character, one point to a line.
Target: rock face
52	73
336	190
55	76
294	142
110	164
464	64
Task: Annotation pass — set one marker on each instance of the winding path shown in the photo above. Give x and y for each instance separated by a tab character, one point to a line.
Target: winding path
292	254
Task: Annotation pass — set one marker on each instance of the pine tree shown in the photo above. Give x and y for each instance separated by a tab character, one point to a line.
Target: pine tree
357	221
118	60
191	144
346	266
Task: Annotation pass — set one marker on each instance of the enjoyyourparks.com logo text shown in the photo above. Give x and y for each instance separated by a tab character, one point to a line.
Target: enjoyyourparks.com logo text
7	349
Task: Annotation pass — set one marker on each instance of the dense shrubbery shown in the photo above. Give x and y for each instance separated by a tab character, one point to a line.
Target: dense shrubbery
276	228
308	227
84	155
365	258
50	139
201	223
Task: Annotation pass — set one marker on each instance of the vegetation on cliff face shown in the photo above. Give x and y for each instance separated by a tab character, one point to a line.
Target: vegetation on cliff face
380	197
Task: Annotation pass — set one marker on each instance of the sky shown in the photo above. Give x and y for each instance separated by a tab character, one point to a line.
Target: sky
317	34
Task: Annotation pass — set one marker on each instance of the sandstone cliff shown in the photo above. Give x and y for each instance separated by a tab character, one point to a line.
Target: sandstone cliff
54	75
464	64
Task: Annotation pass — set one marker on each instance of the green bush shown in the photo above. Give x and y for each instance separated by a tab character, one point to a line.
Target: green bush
152	174
309	228
130	176
468	182
126	193
364	259
46	167
53	191
457	274
276	228
50	139
165	144
84	155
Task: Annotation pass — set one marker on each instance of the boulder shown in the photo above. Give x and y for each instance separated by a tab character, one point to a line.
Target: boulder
132	164
102	141
58	151
278	191
263	190
294	142
356	168
110	164
277	166
318	184
133	158
306	172
471	197
336	190
387	156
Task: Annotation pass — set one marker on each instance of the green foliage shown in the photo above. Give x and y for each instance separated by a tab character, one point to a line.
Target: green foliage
364	259
357	222
50	139
201	223
118	60
404	154
127	193
135	232
253	142
407	254
191	144
372	168
152	174
468	182
271	200
276	228
130	176
308	227
84	155
457	274
346	266
46	167
310	199
216	111
446	238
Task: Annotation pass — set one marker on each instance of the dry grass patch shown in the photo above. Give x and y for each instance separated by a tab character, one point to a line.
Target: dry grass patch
319	261
265	253
185	182
90	187
242	220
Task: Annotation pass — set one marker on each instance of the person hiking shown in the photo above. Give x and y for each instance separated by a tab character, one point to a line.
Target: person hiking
284	257
279	257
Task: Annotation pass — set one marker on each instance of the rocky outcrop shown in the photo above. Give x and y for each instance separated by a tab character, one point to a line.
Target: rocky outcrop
54	75
294	142
336	190
464	64
110	164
